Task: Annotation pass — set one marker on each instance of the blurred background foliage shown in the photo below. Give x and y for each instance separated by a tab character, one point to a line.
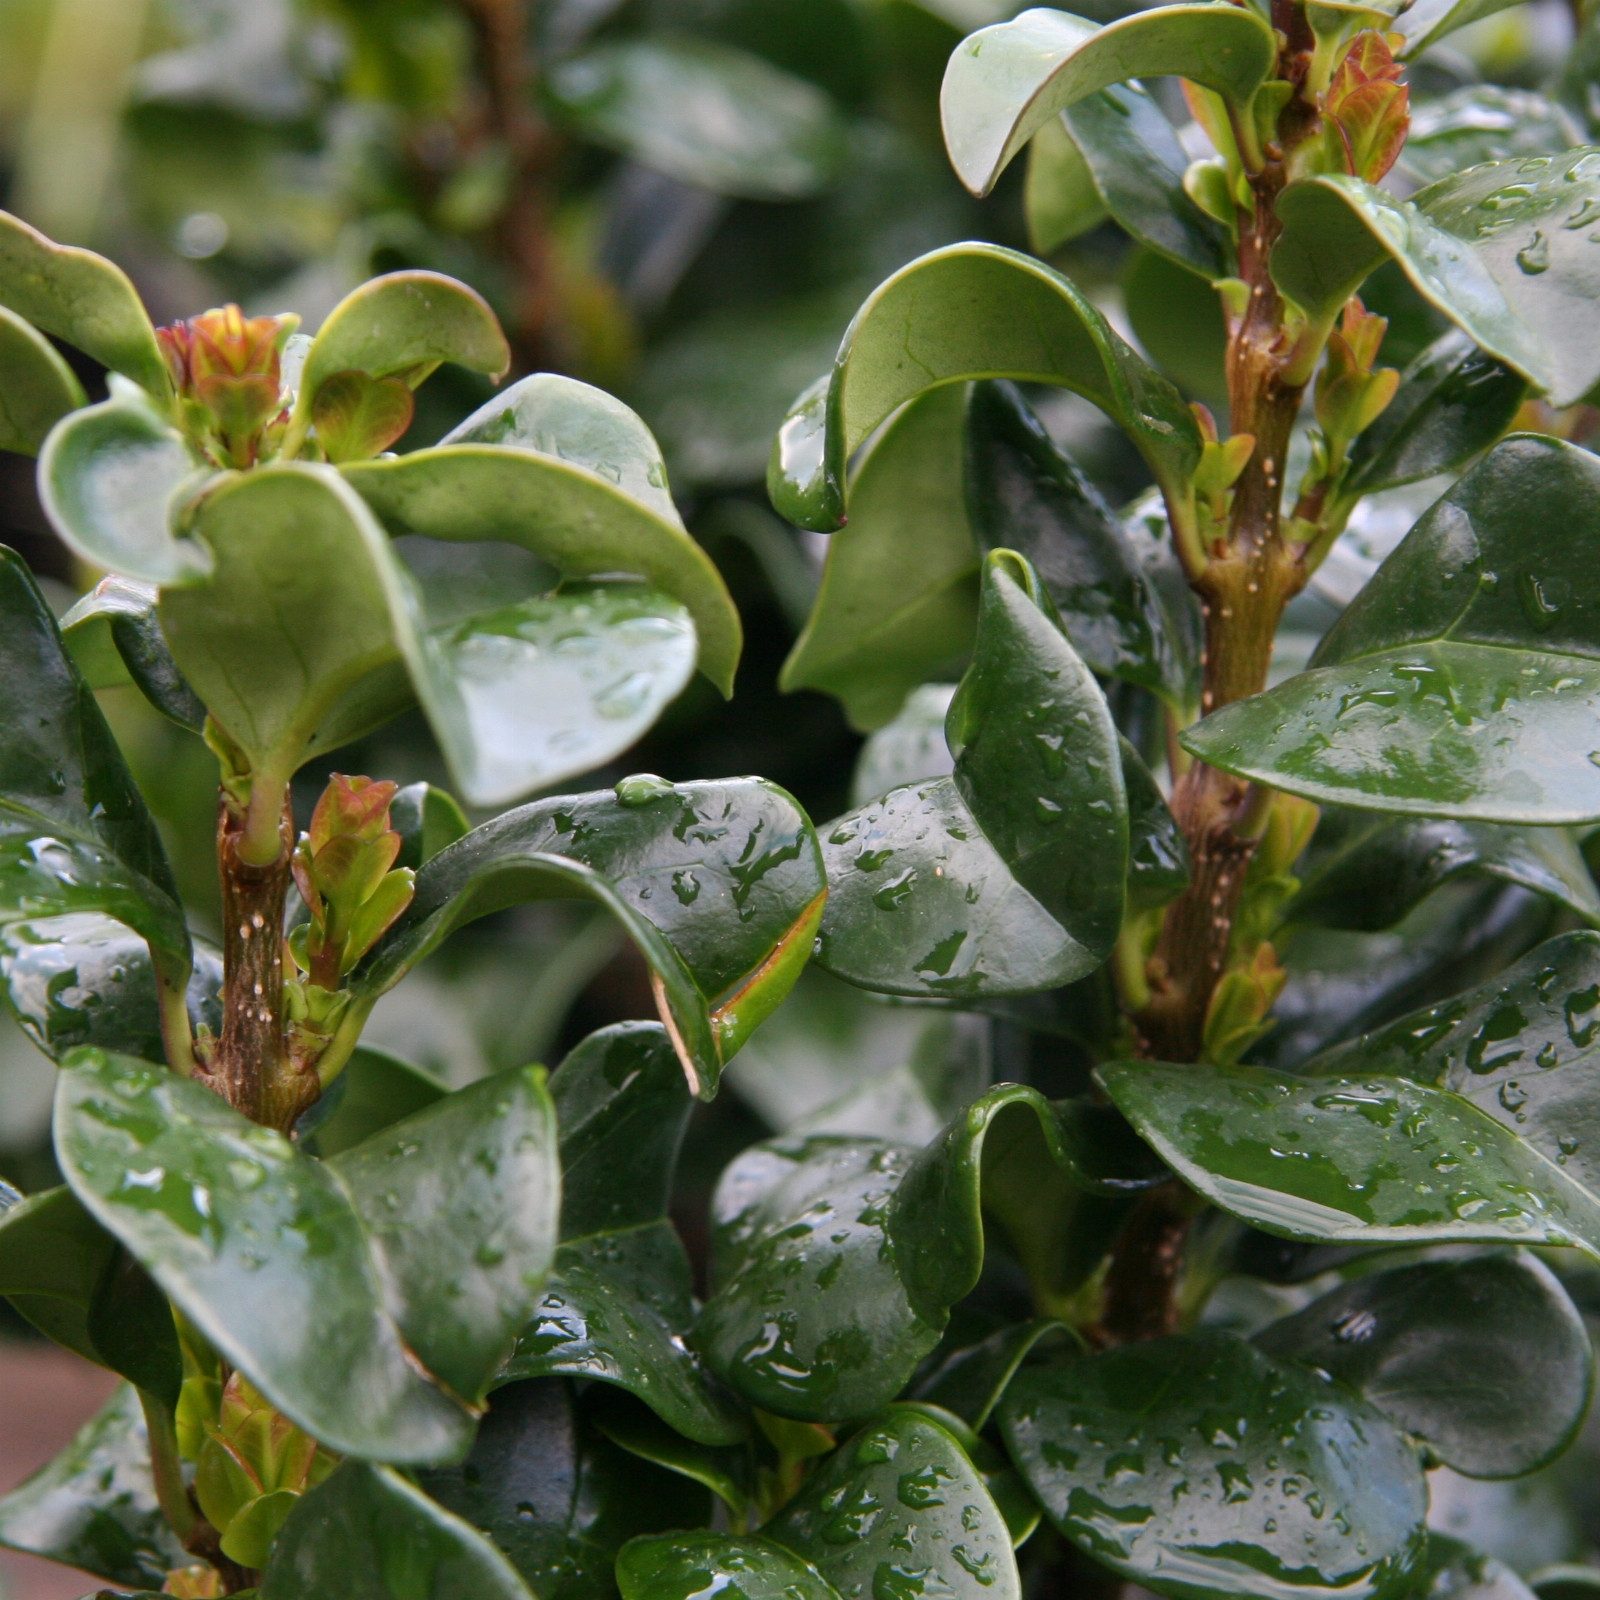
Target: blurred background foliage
683	201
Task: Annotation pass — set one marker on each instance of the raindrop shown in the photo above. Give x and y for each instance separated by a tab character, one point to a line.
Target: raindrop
1534	257
1512	1095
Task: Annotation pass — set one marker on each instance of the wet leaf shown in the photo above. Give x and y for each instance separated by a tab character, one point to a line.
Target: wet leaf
1486	1360
1462	681
1005	82
94	1506
82	298
679	1566
37	388
719	884
368	1534
258	1246
705	113
373	1092
1482	122
971	311
1197	1467
1455	1571
114	636
427	818
460	1201
971	1381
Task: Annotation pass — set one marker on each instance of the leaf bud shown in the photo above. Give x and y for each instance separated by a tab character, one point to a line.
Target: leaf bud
1366	108
226	368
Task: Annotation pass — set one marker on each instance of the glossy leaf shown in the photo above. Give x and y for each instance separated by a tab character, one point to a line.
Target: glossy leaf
1462	681
555	1495
1455	1571
900	1510
568	473
1024	493
1375	1159
705	113
368	1534
94	1506
1059	197
114	635
1009	876
37	388
145	1150
1197	1467
679	1566
836	1260
1367	871
1176	316
971	1381
971	311
112	478
373	1092
427	818
1453	401
82	298
1486	1360
719	885
620	1304
1005	82
898	601
1494	248
1482	122
74	831
460	1203
1426	23
907	748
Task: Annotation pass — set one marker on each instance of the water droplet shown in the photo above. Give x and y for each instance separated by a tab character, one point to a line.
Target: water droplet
1512	1095
642	788
1534	257
1355	1326
686	886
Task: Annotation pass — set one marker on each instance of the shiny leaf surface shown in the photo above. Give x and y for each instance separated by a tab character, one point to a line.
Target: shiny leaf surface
37	388
1059	196
680	1566
1197	1467
373	1092
1482	122
115	637
1455	1571
427	818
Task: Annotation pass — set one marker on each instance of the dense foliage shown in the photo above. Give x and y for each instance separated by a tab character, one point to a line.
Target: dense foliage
1178	1060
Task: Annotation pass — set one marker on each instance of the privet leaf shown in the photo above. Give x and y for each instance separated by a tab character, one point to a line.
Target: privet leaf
114	635
1482	122
1059	196
678	1566
37	388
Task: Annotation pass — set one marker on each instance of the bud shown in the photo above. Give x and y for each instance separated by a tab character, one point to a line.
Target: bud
1239	1012
1367	108
1351	392
197	1582
225	367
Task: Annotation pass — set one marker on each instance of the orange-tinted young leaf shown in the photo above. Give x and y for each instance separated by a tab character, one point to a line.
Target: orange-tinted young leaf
1368	107
357	417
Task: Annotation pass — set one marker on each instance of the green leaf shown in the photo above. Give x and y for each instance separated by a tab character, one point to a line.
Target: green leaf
373	1092
719	885
836	1261
1455	1571
1158	855
970	1382
1197	1467
1429	21
1462	681
907	748
112	479
705	113
898	601
74	831
973	311
679	1566
460	1202
619	1305
1009	876
555	1495
1563	1581
320	665
1176	316
1497	249
37	388
1367	871
258	1246
427	818
1453	401
114	636
566	472
82	298
1138	165
368	1534
94	1506
1375	1159
900	1511
1482	122
1486	1360
728	1471
1059	197
1024	493
1004	83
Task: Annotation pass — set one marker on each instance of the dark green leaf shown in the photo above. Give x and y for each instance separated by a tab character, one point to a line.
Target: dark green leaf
897	1512
111	479
1158	855
1004	83
1559	1582
461	1202
1486	1360
427	818
1455	1571
115	637
1453	401
1060	197
729	1471
971	1381
706	114
555	1495
373	1092
1024	493
1177	318
53	1258
368	1534
258	1246
94	1506
1009	876
1371	1159
898	602
972	311
680	1566
37	388
718	884
1463	680
82	298
1199	1468
1483	122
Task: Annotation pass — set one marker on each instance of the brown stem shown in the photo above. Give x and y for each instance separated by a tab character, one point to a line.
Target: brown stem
1140	1300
